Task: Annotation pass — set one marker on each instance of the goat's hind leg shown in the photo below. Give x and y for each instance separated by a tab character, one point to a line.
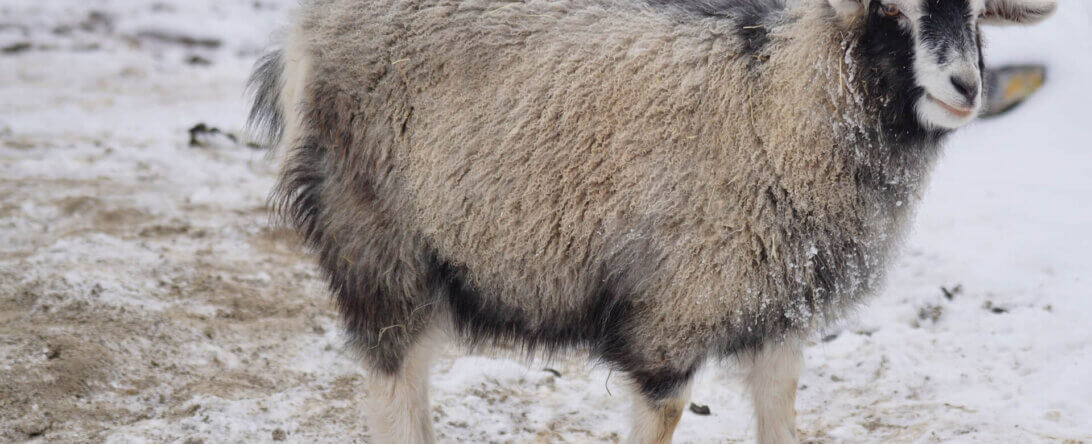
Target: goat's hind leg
657	413
392	317
772	373
397	401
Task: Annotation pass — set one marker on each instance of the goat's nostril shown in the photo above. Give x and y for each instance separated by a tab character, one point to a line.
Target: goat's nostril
968	89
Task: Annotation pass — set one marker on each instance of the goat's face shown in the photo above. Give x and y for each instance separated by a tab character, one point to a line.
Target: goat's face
928	53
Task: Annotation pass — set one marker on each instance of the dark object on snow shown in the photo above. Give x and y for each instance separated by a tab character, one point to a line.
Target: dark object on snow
552	372
702	410
1009	86
169	37
951	294
197	60
994	308
203	136
929	312
16	48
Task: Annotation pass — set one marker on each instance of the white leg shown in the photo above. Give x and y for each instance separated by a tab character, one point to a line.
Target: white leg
771	378
397	405
654	421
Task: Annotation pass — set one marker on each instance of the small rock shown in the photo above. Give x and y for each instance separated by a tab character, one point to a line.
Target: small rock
204	136
702	410
34	425
179	39
951	294
930	312
197	60
16	48
994	309
279	435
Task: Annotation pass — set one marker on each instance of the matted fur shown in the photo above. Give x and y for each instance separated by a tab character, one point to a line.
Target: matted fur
640	180
505	153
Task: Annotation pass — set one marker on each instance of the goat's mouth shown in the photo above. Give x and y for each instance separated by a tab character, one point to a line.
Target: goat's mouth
958	111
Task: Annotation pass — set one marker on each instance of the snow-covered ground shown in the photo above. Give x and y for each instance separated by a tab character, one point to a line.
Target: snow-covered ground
145	297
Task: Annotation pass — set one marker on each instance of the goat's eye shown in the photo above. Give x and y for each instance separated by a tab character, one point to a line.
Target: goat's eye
890	10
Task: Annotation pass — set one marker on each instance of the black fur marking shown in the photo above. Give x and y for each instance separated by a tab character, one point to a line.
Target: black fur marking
371	317
662	384
382	325
751	17
604	326
762	331
266	120
886	54
298	196
601	325
830	269
945	27
362	304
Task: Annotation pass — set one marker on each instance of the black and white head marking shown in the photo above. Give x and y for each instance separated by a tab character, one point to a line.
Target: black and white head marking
925	56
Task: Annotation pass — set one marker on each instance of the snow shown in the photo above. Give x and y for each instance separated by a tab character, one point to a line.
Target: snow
145	297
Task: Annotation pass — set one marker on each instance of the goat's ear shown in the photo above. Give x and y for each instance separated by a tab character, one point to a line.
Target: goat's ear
848	10
1017	12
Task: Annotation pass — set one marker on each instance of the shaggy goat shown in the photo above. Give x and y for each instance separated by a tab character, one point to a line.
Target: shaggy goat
659	182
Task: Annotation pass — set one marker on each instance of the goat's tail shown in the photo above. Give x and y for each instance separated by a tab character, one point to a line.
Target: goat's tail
278	87
266	120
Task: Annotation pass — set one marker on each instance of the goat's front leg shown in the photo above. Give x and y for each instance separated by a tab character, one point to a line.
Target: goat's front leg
772	373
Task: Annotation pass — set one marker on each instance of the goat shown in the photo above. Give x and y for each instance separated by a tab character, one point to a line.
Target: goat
658	182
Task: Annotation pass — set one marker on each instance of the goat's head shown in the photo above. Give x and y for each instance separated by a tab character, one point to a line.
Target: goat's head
927	54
